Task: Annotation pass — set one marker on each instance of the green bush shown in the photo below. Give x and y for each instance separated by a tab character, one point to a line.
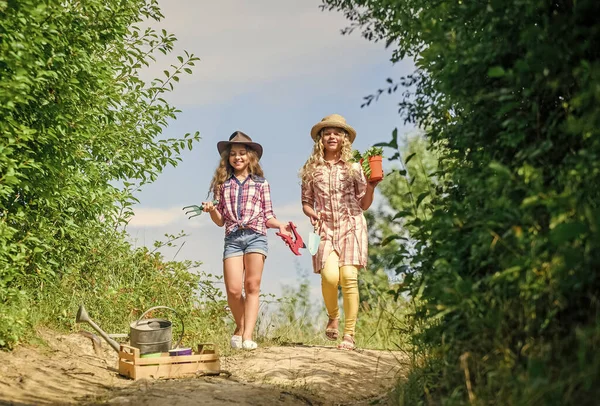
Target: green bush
80	134
505	270
121	283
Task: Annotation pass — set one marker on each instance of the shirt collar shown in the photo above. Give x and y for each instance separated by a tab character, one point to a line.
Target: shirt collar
233	177
334	162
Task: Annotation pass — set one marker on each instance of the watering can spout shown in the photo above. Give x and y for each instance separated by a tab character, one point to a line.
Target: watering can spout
83	317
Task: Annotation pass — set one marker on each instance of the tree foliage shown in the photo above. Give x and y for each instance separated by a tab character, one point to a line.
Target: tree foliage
406	191
506	286
80	132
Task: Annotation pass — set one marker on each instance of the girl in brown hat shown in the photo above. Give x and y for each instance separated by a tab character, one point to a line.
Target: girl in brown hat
244	207
335	192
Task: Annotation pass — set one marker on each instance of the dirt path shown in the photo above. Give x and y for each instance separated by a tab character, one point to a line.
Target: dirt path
69	371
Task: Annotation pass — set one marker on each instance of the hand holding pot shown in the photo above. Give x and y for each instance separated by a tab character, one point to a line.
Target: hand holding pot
374	183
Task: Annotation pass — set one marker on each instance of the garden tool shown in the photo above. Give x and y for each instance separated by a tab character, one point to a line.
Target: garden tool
314	239
198	210
148	335
83	317
295	241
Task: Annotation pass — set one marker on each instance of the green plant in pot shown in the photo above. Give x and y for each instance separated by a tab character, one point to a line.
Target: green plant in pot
371	162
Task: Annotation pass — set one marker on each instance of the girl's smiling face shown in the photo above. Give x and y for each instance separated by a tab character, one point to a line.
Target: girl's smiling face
238	158
332	139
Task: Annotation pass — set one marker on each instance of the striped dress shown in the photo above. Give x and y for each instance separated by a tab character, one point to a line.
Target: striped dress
335	192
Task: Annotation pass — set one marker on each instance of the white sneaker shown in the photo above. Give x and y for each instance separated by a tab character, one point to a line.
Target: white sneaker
249	345
236	342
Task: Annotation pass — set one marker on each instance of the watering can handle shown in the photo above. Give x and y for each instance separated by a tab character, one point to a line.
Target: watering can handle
173	310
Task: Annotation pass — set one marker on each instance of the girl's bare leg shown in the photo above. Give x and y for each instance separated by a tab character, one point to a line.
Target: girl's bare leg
254	264
233	274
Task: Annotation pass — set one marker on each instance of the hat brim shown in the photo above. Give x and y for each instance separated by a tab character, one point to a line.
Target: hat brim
333	124
222	146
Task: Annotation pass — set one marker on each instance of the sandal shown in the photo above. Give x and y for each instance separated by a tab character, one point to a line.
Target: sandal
331	334
348	343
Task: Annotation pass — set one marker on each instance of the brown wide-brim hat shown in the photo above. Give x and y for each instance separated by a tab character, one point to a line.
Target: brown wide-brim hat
239	137
334	120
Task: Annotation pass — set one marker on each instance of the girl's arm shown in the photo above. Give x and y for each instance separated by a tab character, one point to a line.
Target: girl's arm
367	199
310	212
365	191
308	203
216	212
272	222
215	215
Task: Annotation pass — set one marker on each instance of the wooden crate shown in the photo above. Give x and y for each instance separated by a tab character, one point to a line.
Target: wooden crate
206	360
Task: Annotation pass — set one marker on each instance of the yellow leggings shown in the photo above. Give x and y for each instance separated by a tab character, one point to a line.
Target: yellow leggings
346	276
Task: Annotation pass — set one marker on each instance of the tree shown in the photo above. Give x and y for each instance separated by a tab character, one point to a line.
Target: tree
391	240
506	292
80	133
417	177
407	194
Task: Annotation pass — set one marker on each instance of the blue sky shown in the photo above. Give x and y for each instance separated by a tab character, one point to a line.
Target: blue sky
270	68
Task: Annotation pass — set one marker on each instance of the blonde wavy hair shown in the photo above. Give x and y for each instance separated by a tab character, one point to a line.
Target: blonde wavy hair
317	158
225	170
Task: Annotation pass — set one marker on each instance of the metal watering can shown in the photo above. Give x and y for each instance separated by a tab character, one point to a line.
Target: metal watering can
149	335
153	335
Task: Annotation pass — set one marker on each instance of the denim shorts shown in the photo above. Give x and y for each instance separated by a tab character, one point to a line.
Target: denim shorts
244	241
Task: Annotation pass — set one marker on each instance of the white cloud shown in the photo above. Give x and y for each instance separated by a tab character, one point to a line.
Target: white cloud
249	46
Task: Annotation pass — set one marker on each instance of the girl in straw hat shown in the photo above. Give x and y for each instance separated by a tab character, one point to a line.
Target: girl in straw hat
244	207
334	194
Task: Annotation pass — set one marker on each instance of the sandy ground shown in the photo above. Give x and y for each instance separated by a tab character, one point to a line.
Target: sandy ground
69	371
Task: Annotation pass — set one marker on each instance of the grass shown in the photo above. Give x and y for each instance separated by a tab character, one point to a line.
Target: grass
123	282
295	319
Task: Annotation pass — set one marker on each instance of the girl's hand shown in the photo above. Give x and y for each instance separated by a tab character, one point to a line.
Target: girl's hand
315	218
375	183
208	207
285	229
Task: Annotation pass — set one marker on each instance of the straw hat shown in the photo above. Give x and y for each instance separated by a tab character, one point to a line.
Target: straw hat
334	120
239	137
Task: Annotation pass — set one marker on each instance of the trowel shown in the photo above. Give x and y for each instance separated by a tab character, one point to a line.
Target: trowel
314	239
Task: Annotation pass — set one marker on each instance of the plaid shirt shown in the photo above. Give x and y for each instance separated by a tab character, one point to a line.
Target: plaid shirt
336	194
245	204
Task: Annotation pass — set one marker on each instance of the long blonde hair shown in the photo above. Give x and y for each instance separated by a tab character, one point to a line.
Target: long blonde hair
225	170
317	157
